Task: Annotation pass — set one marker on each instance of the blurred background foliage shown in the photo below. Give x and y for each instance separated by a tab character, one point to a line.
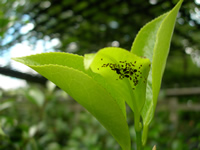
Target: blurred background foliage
46	118
43	117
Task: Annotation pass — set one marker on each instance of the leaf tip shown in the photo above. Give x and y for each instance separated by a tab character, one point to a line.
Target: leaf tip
18	59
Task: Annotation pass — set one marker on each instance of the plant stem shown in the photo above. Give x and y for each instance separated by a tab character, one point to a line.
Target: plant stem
138	131
139	140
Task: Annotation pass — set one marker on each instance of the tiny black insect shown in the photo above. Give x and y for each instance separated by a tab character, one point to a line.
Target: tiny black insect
117	70
126	75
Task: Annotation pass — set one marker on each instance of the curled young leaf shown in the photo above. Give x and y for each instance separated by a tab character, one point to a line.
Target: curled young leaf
124	72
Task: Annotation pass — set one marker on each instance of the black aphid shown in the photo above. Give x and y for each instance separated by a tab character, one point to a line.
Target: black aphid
117	70
126	75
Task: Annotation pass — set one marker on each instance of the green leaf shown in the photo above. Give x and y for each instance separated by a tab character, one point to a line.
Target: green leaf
153	42
125	73
68	72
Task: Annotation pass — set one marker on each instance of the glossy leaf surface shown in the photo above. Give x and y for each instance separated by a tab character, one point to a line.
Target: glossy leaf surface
153	42
67	71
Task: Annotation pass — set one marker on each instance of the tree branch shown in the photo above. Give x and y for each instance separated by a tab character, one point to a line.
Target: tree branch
25	76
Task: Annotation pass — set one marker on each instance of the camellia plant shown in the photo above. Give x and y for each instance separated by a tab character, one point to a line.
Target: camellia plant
105	81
